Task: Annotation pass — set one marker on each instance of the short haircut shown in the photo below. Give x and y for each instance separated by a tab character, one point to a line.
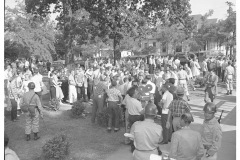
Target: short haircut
131	91
6	140
187	118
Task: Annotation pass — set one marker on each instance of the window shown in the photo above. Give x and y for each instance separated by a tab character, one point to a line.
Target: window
145	45
164	47
154	44
179	48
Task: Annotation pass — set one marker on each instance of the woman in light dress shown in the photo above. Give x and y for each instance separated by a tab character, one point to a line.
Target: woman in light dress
195	68
190	76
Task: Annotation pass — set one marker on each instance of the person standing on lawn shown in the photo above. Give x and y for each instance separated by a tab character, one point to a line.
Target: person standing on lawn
37	80
114	97
176	108
164	103
229	74
212	132
99	94
32	118
186	144
13	92
147	134
72	88
211	85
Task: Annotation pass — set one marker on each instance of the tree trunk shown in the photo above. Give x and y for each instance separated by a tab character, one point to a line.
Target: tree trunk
116	51
227	50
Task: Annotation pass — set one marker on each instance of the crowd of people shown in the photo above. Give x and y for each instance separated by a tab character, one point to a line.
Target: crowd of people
141	88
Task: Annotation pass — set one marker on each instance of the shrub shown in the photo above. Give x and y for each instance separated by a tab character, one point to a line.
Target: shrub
78	108
102	118
56	148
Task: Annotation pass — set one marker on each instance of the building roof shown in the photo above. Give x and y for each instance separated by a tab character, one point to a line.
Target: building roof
198	19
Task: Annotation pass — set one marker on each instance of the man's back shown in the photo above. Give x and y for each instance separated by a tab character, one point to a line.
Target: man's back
147	135
186	144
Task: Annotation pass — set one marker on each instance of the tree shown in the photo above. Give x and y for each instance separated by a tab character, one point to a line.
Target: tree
117	18
27	34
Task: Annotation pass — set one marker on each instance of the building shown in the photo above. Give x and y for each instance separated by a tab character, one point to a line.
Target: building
165	49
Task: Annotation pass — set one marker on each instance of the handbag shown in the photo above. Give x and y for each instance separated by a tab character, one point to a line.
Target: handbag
29	108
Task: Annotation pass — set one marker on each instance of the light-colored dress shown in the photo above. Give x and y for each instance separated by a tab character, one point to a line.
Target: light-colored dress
59	93
195	69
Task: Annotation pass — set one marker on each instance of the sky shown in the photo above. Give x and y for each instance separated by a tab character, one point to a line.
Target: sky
197	6
219	7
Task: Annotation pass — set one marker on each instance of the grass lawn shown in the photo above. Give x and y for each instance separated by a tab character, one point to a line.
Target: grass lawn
87	141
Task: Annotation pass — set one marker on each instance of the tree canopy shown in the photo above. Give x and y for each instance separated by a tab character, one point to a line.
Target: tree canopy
27	34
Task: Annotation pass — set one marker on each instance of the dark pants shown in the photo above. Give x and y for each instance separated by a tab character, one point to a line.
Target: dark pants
89	90
219	72
151	68
204	73
81	93
48	68
53	92
5	87
114	114
14	109
134	118
157	99
98	104
167	133
64	88
223	77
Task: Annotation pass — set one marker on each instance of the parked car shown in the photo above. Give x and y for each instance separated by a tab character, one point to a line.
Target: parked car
184	57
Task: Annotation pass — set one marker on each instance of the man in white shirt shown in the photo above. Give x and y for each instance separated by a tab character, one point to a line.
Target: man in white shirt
37	80
219	67
26	64
177	62
204	67
148	77
72	88
166	100
224	65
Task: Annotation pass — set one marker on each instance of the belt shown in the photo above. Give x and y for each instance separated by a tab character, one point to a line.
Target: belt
145	150
176	116
207	147
182	79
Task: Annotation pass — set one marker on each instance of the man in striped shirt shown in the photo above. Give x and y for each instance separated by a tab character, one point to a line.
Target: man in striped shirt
176	108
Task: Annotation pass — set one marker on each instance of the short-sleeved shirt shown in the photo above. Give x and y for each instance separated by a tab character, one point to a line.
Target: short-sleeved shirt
147	135
182	75
133	105
179	107
113	94
99	88
212	136
168	97
37	80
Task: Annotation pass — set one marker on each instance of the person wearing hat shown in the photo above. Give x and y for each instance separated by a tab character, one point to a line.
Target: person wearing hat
186	143
229	74
176	108
9	154
211	85
32	119
147	134
114	97
212	132
164	103
183	78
